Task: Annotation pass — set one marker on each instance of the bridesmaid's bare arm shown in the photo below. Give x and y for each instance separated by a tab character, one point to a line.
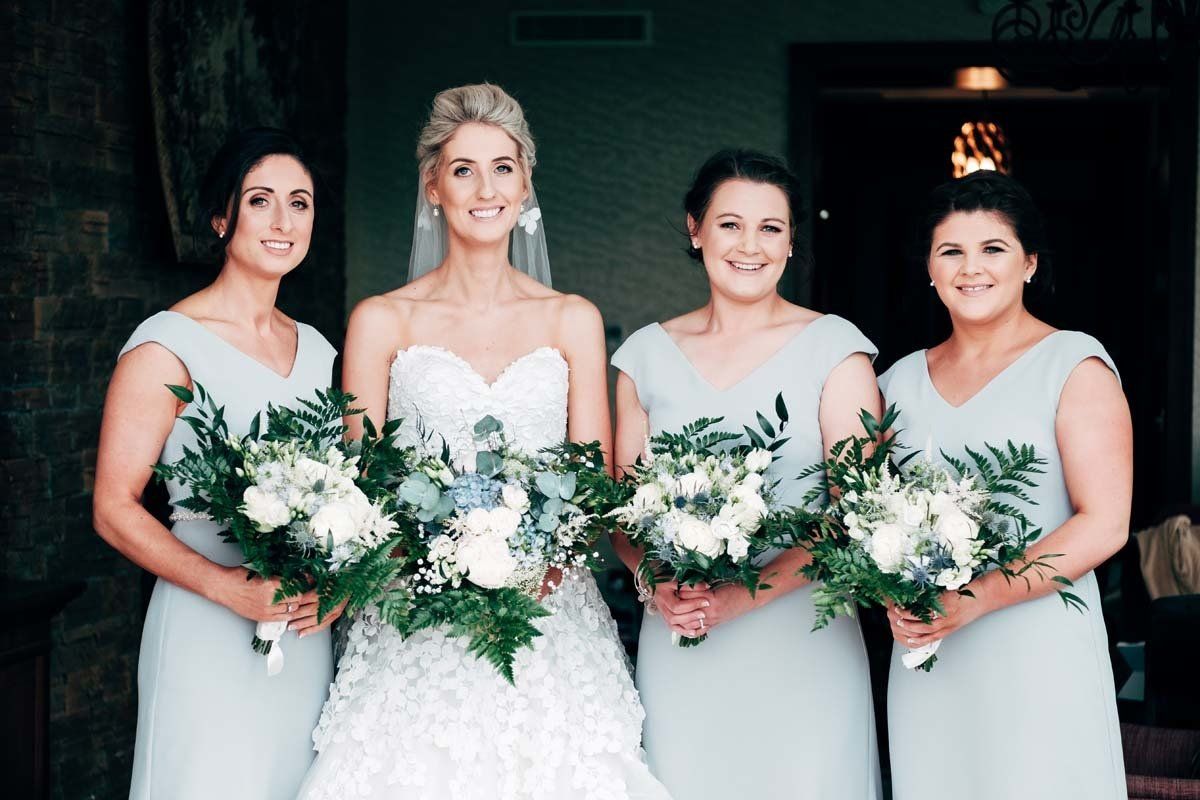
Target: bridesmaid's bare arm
1095	442
581	333
371	341
138	416
633	425
849	388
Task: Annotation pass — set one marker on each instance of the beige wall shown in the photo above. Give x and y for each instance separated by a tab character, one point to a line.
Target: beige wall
620	130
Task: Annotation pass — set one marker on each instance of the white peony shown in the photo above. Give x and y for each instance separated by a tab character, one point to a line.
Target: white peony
442	548
887	546
335	523
955	528
515	497
487	560
856	533
503	521
758	460
696	535
478	521
307	472
649	499
265	509
914	512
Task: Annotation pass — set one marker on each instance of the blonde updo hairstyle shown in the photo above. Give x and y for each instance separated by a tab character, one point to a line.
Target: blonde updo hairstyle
479	102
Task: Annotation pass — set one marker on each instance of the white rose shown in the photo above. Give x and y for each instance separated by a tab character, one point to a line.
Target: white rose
914	512
738	546
851	519
963	553
514	497
855	533
503	521
895	505
487	560
887	546
954	578
694	483
758	460
725	527
753	481
335	524
308	472
442	548
955	527
696	535
265	509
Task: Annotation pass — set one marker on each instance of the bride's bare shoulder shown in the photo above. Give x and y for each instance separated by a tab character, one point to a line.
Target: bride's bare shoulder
380	319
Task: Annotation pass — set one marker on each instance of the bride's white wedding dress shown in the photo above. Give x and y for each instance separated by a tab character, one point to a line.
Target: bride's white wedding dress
423	718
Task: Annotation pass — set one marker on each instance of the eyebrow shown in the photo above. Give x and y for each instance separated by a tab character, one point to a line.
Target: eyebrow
269	190
987	241
739	216
464	160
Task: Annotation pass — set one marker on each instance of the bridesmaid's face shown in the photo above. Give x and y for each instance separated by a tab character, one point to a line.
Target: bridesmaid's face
479	184
978	266
744	238
275	217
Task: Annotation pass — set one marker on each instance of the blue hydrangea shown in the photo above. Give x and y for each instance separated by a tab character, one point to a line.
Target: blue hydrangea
472	490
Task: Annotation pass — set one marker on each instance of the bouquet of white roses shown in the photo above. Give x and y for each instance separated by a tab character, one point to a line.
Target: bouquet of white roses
481	542
295	500
906	535
699	506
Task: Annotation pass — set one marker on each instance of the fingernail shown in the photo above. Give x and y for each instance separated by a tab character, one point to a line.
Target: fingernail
706	604
291	627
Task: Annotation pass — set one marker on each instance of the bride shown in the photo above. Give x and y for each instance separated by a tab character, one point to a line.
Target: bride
470	335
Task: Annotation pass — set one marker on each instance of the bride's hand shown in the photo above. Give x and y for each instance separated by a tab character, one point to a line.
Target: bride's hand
684	609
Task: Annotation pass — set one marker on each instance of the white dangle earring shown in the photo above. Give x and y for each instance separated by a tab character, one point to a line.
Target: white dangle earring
931	283
436	211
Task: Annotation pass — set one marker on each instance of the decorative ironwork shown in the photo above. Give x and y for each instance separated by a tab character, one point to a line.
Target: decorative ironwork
1080	33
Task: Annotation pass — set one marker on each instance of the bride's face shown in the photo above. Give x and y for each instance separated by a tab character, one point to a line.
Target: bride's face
744	238
479	184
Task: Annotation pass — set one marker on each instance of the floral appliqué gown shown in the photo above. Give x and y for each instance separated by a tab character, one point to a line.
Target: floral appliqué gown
424	719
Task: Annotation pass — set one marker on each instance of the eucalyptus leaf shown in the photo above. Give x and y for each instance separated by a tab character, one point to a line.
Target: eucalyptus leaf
553	506
566	486
488	464
487	426
547	522
547	483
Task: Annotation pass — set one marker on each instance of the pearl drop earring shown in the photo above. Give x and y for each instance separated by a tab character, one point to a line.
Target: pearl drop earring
1029	279
931	283
436	211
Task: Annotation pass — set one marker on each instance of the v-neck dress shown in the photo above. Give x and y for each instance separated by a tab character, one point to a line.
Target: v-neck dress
211	723
766	707
1021	702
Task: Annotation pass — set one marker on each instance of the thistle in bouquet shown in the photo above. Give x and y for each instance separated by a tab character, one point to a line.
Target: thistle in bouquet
480	544
906	533
295	500
699	506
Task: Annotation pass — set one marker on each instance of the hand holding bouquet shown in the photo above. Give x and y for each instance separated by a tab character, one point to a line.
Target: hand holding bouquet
905	536
699	507
294	500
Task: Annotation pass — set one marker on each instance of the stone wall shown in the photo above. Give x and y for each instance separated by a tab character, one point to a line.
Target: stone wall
85	254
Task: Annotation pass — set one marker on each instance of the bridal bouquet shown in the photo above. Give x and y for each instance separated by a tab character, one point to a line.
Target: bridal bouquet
700	506
907	535
295	500
481	542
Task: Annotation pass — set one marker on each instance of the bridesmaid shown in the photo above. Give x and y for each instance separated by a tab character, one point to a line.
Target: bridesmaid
211	723
764	708
1021	702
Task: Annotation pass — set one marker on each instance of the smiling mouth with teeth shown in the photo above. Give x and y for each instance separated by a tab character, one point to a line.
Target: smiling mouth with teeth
486	213
276	245
974	289
742	266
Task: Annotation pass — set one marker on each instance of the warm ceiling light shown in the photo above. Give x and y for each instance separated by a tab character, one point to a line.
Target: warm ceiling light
979	79
980	145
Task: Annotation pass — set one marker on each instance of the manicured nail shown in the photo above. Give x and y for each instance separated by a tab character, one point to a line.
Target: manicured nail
706	604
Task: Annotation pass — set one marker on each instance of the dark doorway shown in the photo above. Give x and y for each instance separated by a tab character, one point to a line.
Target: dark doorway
872	130
1095	159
